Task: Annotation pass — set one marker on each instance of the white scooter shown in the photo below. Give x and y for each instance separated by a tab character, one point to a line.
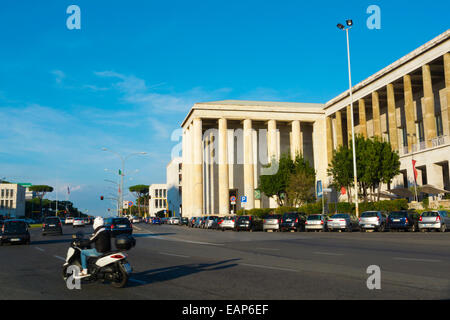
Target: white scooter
112	266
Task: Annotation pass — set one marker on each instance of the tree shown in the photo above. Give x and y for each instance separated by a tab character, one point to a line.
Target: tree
275	185
139	191
300	187
41	191
341	169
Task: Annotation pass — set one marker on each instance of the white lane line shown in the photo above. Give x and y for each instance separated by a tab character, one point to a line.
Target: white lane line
329	253
417	260
40	249
60	258
138	281
266	267
173	254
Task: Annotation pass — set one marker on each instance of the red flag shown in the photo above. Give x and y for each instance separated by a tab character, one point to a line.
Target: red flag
414	169
343	191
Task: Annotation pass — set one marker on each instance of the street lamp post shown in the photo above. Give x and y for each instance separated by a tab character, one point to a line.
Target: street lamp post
355	177
122	173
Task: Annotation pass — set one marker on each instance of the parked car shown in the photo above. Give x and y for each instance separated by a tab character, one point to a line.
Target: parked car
248	223
52	225
78	222
316	222
434	220
184	221
15	231
209	221
272	222
135	220
293	221
343	222
118	226
402	220
156	221
228	223
191	222
216	223
372	220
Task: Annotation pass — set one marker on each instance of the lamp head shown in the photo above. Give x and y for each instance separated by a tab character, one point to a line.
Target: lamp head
349	22
340	26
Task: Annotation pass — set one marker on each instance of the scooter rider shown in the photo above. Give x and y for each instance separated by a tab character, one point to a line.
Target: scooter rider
102	239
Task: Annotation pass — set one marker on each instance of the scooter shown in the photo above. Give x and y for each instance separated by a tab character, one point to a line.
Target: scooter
112	266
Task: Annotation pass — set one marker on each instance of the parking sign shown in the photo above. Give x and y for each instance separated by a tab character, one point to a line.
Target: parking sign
244	199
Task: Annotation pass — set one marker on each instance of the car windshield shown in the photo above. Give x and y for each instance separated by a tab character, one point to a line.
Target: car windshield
340	216
369	214
290	215
52	220
121	221
229	218
315	217
272	217
15	227
398	214
244	218
429	214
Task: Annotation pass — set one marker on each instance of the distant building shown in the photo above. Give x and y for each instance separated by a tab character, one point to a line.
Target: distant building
12	200
158	199
174	180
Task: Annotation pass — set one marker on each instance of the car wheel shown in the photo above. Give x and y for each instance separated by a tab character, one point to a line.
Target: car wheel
413	228
443	228
381	228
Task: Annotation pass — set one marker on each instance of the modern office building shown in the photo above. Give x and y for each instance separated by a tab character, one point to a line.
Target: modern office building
174	189
158	199
226	144
12	200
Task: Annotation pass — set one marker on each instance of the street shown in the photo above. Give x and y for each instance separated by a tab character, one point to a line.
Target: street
176	262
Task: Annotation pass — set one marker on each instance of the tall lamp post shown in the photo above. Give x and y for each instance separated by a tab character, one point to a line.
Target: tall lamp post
342	27
122	173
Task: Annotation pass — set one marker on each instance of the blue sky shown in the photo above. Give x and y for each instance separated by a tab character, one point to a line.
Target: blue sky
127	79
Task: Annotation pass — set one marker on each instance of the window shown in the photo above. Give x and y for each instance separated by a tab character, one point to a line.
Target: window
2	204
3	193
10	203
164	193
156	203
12	193
439	128
7	193
405	137
421	131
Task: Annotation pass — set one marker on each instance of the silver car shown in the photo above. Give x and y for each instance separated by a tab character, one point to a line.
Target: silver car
209	222
373	220
437	220
316	222
272	222
229	222
342	221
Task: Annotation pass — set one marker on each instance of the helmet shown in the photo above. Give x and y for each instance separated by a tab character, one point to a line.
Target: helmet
98	222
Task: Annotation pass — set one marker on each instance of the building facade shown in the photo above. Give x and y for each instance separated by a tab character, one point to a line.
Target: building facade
158	199
12	200
174	186
227	145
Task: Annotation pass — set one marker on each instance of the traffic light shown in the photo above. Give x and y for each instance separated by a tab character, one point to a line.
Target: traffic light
101	197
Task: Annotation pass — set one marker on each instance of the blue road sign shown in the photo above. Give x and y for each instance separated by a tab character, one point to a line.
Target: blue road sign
319	189
243	199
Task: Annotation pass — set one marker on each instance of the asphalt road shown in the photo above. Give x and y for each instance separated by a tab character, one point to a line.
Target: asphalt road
175	262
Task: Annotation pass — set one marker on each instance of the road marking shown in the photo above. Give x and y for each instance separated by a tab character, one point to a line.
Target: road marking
172	254
417	260
266	267
329	253
40	249
60	258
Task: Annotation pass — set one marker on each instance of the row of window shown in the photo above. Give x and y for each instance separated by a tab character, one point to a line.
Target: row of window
4	203
421	131
160	203
160	193
7	193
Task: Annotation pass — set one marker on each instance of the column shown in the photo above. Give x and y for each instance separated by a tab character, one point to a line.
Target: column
339	139
376	114
429	120
183	175
362	118
447	84
187	178
224	203
409	110
272	140
329	139
349	126
207	175
197	170
392	119
249	187
296	140
211	151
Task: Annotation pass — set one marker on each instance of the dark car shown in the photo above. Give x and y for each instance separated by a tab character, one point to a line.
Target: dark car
184	221
15	231
402	220
118	226
156	221
293	221
248	223
52	225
